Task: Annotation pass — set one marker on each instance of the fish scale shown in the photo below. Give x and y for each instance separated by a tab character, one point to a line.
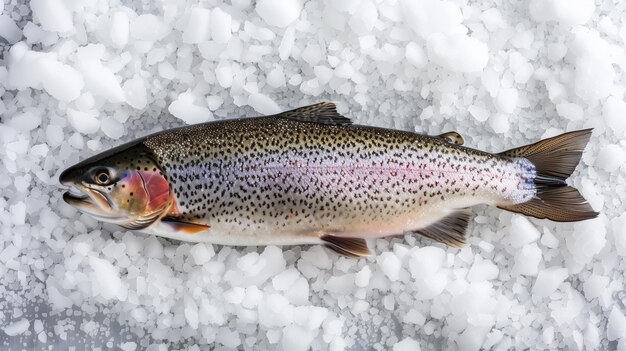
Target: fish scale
310	176
268	178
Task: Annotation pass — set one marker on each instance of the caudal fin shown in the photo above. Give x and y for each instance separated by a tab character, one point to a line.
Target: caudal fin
555	159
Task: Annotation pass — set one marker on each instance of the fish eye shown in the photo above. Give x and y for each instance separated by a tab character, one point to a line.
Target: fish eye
102	176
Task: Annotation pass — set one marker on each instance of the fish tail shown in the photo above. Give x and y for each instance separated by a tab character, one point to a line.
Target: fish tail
554	159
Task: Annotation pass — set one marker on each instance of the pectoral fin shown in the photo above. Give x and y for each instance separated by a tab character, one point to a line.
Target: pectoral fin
183	226
351	247
450	230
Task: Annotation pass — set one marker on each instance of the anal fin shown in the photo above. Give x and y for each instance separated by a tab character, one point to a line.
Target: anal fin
351	247
450	230
182	226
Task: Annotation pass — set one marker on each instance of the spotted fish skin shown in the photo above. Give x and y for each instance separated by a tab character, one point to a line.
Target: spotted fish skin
309	176
274	180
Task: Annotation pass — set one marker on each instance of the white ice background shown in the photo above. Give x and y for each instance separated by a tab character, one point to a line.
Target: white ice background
78	77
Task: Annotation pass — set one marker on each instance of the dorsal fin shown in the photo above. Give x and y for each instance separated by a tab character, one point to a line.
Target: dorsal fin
324	113
452	137
449	230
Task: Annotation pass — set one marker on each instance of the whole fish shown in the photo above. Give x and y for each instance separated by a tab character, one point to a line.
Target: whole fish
309	176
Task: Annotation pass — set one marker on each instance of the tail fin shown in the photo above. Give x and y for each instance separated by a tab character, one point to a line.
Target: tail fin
555	159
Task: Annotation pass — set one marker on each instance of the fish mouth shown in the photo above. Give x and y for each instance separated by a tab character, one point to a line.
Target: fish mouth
75	198
98	205
88	200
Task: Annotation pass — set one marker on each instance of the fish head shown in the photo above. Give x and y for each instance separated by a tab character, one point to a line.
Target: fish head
124	186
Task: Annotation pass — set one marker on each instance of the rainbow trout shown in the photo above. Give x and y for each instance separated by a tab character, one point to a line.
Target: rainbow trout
309	176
